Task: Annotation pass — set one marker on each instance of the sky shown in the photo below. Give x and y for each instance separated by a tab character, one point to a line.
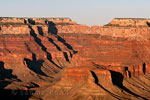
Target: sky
87	12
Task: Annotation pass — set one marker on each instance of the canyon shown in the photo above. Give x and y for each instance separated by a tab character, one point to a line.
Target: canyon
59	59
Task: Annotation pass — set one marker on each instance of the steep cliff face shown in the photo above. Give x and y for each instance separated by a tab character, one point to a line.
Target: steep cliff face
74	61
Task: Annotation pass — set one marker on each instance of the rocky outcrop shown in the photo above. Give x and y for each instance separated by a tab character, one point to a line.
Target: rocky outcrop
47	57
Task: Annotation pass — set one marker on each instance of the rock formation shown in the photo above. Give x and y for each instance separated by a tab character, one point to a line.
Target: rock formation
58	59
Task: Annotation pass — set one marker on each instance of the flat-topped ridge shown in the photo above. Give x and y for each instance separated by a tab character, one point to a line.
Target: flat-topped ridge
129	22
36	21
133	18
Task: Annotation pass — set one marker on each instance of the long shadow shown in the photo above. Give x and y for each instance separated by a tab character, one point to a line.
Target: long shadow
141	84
53	30
5	73
35	66
71	55
112	94
38	41
32	22
117	79
66	56
144	68
59	38
148	24
40	30
11	94
52	41
137	86
25	22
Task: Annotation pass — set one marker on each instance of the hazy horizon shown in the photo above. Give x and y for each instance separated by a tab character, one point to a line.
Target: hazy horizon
88	12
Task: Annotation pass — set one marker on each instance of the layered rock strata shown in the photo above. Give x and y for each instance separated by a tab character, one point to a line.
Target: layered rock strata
58	59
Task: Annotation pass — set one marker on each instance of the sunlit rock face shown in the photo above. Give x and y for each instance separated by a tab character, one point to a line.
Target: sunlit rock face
58	59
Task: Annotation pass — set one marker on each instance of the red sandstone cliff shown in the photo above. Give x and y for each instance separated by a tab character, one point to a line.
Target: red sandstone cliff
74	61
